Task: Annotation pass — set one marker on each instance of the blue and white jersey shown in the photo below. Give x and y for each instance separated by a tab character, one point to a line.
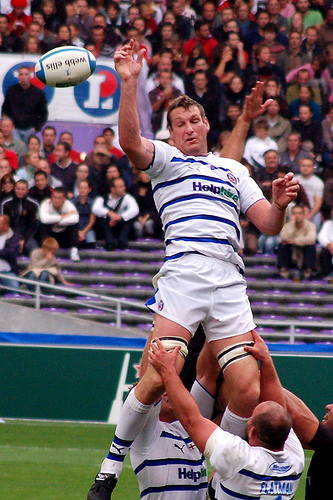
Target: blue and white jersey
167	463
251	472
199	199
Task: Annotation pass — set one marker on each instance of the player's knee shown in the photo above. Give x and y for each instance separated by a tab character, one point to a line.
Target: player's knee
169	343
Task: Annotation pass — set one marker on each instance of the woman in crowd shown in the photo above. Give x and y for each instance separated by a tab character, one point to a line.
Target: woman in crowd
6	186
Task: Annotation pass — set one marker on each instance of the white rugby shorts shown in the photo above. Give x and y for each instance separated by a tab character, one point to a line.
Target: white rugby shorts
197	289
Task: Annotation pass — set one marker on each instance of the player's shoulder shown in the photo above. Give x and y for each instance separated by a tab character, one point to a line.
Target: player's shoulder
232	165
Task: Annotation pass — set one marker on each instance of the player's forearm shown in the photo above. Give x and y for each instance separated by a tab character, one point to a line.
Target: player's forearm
305	423
270	386
129	127
234	147
268	218
187	410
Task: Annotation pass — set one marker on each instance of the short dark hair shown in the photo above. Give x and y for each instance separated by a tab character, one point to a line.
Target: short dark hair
41	172
67	147
184	101
60	189
22	181
49	127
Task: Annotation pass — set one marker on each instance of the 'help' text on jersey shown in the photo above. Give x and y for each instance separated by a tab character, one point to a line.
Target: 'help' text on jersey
199	200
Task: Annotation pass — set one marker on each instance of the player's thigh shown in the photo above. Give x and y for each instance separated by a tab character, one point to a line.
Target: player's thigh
243	373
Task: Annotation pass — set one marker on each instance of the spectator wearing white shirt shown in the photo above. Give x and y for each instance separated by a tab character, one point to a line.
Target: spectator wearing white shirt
60	219
314	188
256	146
117	211
325	238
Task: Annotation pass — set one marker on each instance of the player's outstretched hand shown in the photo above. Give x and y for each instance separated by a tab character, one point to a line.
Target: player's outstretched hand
253	105
285	190
164	362
259	350
126	66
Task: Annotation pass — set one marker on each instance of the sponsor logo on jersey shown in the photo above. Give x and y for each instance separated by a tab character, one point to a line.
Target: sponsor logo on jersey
199	186
276	488
276	467
160	305
195	475
231	177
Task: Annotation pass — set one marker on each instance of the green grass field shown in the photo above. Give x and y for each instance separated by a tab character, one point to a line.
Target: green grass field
58	461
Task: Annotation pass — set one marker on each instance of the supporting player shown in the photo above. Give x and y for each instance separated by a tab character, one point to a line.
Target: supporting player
199	197
270	464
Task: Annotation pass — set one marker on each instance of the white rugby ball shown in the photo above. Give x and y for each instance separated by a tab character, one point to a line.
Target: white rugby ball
65	66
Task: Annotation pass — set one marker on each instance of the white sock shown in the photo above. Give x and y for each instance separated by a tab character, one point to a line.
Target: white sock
203	398
234	423
132	419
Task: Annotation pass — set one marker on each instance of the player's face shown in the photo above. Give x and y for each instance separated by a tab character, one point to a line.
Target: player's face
189	131
328	417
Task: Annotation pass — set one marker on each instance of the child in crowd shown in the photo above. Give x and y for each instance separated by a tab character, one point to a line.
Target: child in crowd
44	266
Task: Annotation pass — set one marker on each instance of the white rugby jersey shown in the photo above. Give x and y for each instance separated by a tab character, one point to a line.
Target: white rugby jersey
167	463
199	199
251	472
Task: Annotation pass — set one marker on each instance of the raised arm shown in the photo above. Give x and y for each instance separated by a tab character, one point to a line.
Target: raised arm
305	423
139	150
270	386
269	217
253	108
183	404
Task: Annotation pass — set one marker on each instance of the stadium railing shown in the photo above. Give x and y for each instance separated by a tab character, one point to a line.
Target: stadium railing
118	309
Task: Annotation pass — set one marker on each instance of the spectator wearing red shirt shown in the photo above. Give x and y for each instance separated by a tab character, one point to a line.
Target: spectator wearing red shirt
202	37
19	21
108	134
11	156
75	156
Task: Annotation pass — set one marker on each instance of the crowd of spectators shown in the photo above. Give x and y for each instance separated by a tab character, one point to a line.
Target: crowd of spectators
211	50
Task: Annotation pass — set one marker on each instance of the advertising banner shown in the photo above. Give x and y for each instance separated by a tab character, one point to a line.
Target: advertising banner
94	101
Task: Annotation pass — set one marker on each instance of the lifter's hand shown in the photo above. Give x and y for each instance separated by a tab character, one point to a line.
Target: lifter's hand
125	64
285	190
259	350
164	362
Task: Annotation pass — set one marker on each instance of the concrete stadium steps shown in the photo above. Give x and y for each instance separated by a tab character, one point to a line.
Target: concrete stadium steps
128	274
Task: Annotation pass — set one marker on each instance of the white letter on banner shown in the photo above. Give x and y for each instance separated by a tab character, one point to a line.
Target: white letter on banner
122	387
95	82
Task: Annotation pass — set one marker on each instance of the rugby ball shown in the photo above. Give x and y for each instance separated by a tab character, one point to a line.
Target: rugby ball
65	66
